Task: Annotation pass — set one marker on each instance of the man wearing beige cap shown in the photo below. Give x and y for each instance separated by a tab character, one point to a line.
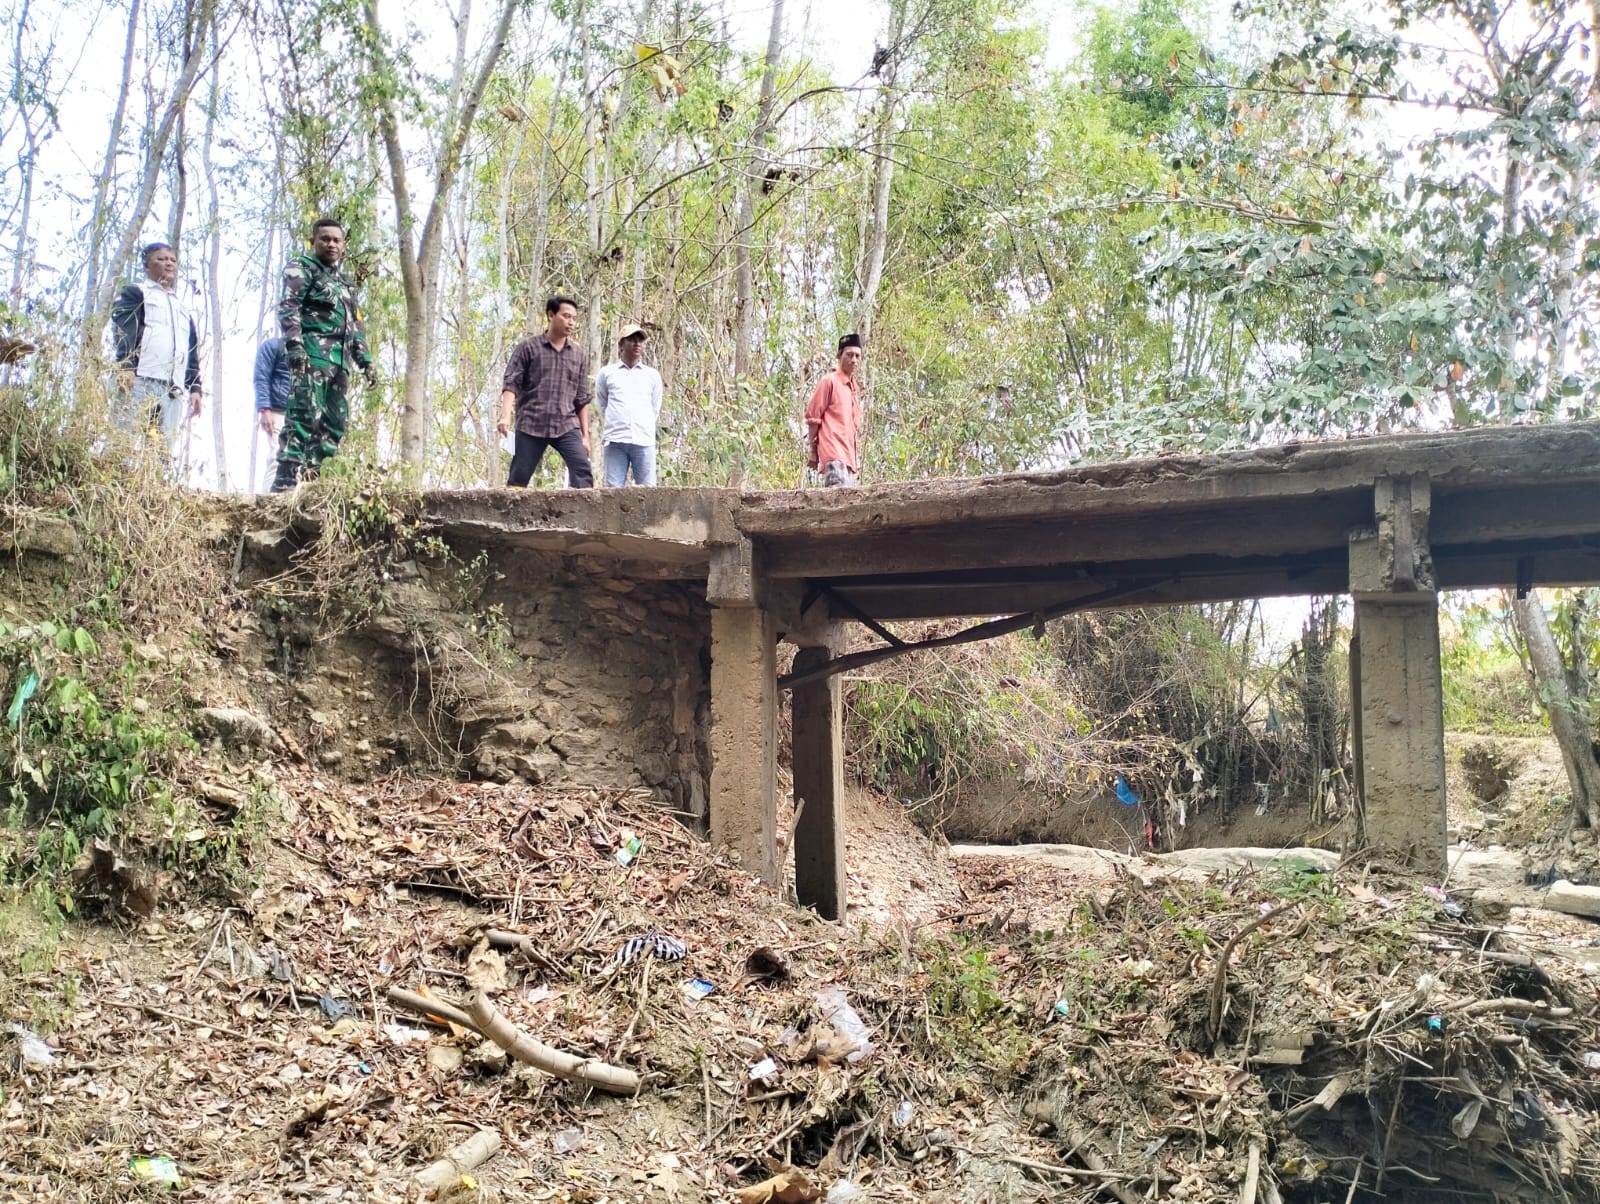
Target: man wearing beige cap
629	393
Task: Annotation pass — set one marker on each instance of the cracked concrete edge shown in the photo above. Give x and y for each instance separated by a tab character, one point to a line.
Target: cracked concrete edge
1482	458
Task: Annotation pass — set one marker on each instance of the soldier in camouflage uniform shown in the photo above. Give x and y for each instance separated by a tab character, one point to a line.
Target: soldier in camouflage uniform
322	337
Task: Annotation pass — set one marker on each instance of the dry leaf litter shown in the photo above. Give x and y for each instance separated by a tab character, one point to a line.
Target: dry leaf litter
1033	1035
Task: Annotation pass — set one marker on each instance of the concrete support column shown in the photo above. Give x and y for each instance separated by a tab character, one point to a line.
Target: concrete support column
819	845
744	714
1397	695
1400	729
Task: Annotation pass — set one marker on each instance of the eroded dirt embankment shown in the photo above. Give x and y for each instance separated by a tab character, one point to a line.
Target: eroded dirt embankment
1035	1035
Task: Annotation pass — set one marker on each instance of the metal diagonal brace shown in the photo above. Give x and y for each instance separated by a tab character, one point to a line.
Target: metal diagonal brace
972	635
862	617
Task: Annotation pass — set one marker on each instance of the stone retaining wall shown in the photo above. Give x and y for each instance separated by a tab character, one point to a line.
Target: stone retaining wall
619	667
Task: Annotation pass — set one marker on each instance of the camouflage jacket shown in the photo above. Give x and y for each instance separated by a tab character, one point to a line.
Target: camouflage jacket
318	313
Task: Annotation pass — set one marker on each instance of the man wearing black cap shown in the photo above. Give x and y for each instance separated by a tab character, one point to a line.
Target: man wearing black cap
833	419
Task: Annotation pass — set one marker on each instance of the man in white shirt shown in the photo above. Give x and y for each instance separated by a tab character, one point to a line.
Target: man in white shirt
629	395
157	350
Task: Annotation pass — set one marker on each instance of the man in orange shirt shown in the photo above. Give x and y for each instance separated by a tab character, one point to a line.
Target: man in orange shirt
833	419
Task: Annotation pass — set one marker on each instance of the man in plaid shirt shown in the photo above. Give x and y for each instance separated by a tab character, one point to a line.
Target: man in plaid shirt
546	389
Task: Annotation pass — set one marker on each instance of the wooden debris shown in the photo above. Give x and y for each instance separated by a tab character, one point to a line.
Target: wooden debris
487	1020
457	1161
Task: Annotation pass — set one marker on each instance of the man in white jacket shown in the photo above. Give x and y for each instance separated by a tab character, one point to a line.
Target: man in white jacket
629	395
158	351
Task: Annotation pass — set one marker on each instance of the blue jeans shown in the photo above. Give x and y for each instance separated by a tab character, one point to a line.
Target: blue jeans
620	455
150	405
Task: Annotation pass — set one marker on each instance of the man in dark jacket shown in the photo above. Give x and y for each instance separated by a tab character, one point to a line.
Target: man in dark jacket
157	351
271	379
322	340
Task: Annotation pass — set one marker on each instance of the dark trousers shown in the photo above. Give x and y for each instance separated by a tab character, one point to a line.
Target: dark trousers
530	450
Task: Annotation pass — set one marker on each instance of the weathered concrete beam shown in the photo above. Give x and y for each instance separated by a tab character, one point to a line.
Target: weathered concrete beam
1479	459
672	526
888	545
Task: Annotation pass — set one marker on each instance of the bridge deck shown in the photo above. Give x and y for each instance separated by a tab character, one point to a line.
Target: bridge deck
1491	507
1507	503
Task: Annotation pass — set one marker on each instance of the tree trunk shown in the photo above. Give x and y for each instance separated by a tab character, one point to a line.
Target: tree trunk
101	213
502	258
419	255
214	266
541	207
744	269
593	225
28	161
1568	722
877	243
155	155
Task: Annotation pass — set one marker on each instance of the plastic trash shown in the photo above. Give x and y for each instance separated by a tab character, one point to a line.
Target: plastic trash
161	1170
1591	1060
566	1141
652	944
631	845
763	1068
698	988
844	1192
1062	1007
334	1009
1124	792
837	1011
31	1047
19	700
904	1113
1436	1024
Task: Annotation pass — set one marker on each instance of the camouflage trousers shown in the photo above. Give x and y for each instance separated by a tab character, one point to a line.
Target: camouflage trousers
313	423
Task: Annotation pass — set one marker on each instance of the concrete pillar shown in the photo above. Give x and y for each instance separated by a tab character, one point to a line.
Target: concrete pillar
1397	695
1355	705
1400	731
744	714
819	845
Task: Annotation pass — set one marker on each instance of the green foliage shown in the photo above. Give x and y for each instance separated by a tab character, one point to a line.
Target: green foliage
80	757
925	731
968	1015
1486	687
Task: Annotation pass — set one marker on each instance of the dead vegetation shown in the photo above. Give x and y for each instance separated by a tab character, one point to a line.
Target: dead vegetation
1033	1037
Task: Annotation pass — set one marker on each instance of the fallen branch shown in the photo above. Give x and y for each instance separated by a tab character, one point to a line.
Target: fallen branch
457	1161
1219	982
1523	1007
519	943
1252	1175
487	1020
433	1009
1325	1099
1049	1168
1088	1153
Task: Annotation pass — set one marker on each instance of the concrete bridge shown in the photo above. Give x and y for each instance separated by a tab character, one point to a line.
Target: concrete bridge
1391	521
